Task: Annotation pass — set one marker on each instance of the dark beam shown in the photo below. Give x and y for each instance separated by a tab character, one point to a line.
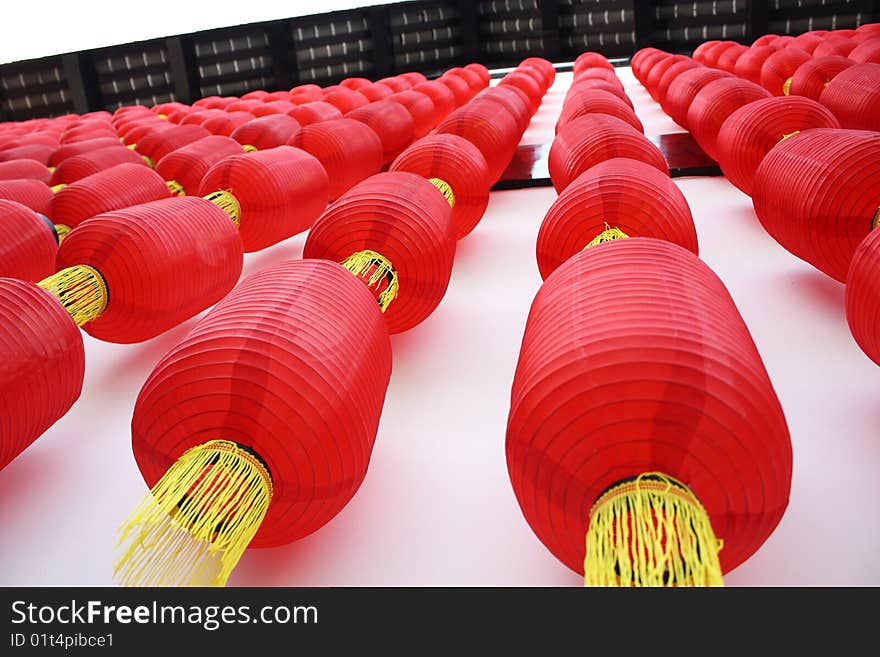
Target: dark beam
643	17
283	55
550	30
380	35
469	18
758	18
180	72
82	81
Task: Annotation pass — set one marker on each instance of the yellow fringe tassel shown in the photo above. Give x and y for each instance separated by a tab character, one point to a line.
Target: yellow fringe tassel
176	188
445	189
52	169
876	220
787	135
248	148
57	188
608	235
130	147
149	161
224	200
61	230
652	531
193	527
374	268
81	290
786	87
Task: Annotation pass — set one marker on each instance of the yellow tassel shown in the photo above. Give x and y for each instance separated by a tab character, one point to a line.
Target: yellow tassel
608	235
61	230
224	200
163	117
374	268
787	135
445	189
197	521
176	188
247	148
52	169
786	87
81	290
130	147
876	221
651	531
149	161
57	188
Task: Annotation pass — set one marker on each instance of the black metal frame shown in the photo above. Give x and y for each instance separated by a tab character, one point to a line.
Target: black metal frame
84	81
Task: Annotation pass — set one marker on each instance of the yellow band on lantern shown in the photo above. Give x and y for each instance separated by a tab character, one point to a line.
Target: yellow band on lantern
224	200
149	161
176	188
197	521
130	147
876	221
248	148
651	531
164	117
81	290
61	230
52	169
57	188
445	189
608	235
787	135
786	87
373	268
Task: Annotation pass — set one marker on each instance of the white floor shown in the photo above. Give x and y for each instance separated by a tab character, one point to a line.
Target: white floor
436	507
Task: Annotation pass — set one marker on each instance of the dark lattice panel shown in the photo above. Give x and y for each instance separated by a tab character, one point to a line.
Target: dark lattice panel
336	47
139	74
34	88
510	30
234	63
798	16
425	37
597	25
682	24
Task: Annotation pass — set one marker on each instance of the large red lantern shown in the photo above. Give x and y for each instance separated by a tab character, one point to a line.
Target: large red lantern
863	294
811	77
748	65
643	428
18	169
779	67
29	192
713	104
817	194
595	101
79	166
683	89
266	131
391	121
854	97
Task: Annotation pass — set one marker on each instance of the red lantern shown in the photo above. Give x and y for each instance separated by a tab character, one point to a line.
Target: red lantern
779	67
226	124
591	60
29	192
391	121
491	128
266	131
751	131
483	72
375	92
157	145
749	64
69	150
30	244
118	187
187	165
460	165
854	97
639	390
277	193
835	45
671	73
615	198
39	152
459	88
807	41
316	112
440	95
684	89
713	104
594	138
867	52
811	77
728	59
596	102
817	192
421	108
79	166
653	76
863	294
19	169
407	223
348	150
43	365
273	107
161	262
714	53
589	84
512	99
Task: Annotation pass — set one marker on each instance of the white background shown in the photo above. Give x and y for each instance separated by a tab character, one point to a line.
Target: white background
436	507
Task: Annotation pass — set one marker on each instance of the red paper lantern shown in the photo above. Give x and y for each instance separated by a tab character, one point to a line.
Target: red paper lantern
811	77
69	150
652	78
645	55
474	80
817	192
355	83
421	108
248	105
750	132
863	295
765	40
714	103
635	360
396	84
483	72
39	152
685	88
700	50
854	97
279	192
596	102
269	108
602	85
162	262
391	122
29	192
132	133
778	68
623	194
458	163
266	131
807	41
594	138
407	221
835	45
157	145
118	187
19	169
867	52
491	128
316	112
79	166
226	124
527	84
374	92
728	59
749	64
668	77
29	245
323	367
43	365
440	95
348	150
591	60
714	53
187	165
306	93
459	88
544	66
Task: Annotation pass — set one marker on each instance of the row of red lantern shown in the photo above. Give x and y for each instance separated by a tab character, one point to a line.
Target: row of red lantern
814	185
642	420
